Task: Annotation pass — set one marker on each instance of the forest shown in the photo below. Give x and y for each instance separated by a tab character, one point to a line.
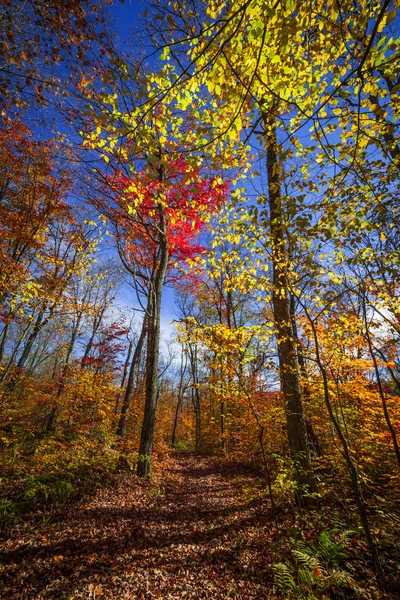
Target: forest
228	171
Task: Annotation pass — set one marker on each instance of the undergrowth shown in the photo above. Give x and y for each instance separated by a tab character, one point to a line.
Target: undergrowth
318	569
52	472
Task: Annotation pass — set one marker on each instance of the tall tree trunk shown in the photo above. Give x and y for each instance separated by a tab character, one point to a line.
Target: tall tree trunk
31	339
153	351
40	322
126	404
14	354
74	336
51	423
181	391
123	379
195	393
312	438
287	351
380	386
96	326
197	412
4	334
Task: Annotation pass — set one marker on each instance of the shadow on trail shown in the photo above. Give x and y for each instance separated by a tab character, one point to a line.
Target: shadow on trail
198	526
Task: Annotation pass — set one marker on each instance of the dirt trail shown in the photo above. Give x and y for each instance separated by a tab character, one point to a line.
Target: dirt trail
196	534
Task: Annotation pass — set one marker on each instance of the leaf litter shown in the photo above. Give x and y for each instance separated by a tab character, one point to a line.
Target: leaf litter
189	533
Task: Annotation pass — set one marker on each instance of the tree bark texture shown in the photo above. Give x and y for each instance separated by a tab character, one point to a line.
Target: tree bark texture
153	349
121	429
287	351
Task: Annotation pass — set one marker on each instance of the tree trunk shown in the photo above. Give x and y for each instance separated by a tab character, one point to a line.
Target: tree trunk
353	472
14	354
153	351
51	423
196	399
40	322
181	391
287	351
31	339
126	404
96	326
4	334
124	376
312	438
380	387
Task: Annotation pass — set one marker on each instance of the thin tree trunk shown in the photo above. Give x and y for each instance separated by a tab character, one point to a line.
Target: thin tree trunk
51	423
126	404
96	326
4	334
362	511
14	354
74	336
197	412
124	376
196	399
181	390
31	339
40	322
380	387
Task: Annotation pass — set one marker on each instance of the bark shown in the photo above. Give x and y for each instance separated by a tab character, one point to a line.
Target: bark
181	391
124	376
153	351
312	438
14	354
126	365
96	326
197	412
40	322
31	339
74	336
126	404
51	423
222	427
287	351
4	334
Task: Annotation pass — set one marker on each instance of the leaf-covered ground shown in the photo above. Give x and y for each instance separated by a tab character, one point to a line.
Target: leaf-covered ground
194	533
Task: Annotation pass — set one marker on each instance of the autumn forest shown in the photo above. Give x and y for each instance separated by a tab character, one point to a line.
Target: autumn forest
228	171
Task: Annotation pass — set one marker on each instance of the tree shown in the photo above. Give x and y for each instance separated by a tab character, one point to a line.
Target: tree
47	49
33	190
157	198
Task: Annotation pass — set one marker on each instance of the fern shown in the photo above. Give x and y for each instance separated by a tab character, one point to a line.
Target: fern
34	489
340	579
331	551
313	572
283	578
306	577
9	512
306	560
63	490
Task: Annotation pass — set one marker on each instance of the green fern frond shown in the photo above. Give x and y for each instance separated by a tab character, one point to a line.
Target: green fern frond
283	578
329	550
304	559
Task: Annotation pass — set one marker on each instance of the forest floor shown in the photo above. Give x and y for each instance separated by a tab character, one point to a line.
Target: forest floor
195	532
